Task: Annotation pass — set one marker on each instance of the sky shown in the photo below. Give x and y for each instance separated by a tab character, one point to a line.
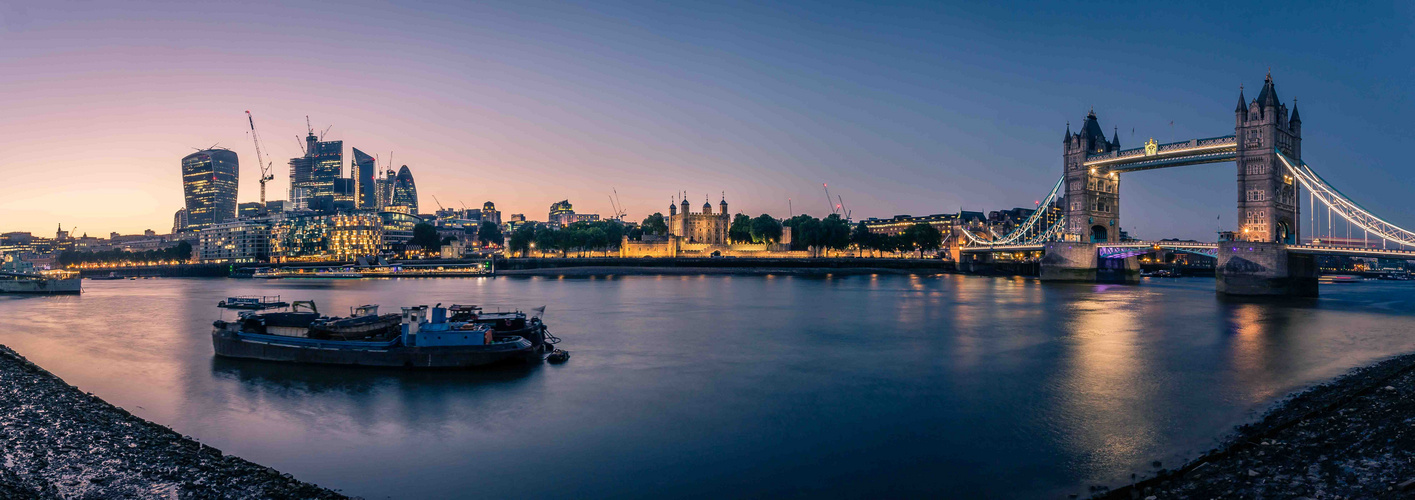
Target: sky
903	108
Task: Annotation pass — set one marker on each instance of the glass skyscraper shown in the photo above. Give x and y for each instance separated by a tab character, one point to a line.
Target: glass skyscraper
405	192
312	176
209	181
364	188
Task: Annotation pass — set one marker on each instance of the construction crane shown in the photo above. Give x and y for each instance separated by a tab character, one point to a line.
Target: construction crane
843	211
827	197
265	168
617	205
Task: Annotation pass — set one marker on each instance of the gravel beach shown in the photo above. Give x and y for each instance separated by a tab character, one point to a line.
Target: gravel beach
1353	437
59	442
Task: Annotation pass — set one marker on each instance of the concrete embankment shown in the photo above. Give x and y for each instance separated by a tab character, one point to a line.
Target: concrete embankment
59	442
614	266
1349	438
587	271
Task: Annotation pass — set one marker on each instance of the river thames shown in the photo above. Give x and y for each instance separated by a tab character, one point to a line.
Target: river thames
732	386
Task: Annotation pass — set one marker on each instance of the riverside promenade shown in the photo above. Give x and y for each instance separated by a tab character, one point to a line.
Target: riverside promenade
59	442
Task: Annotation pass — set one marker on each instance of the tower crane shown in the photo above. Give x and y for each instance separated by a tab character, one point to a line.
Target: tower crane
265	168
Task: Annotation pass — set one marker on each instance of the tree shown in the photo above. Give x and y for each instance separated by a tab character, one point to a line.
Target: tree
183	251
835	232
655	224
490	234
765	229
923	237
425	235
863	238
521	239
546	238
741	229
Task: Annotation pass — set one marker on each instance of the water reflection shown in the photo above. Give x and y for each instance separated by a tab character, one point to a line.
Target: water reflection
731	386
1106	389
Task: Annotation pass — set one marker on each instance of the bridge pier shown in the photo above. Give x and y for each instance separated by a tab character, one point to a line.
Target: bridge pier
1069	261
1264	269
1080	262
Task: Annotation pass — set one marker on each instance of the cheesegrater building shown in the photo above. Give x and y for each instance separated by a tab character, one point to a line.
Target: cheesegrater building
209	181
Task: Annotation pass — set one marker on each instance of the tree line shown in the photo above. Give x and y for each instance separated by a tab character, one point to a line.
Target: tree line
579	238
181	252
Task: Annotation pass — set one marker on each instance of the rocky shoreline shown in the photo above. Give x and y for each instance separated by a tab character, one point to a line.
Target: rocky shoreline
1353	437
59	442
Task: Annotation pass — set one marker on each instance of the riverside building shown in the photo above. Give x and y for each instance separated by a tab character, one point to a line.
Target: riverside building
246	240
340	237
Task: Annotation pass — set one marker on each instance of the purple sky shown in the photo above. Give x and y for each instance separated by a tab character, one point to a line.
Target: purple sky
902	108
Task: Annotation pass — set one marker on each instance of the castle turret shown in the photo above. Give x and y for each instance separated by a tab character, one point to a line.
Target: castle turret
707	207
685	209
722	205
672	209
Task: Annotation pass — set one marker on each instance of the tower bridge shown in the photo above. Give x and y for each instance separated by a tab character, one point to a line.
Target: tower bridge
1076	228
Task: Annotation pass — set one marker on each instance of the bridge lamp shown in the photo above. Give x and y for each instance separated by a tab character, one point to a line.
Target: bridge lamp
1093	170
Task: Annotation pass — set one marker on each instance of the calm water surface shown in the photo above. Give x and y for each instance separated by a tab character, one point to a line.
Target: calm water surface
711	386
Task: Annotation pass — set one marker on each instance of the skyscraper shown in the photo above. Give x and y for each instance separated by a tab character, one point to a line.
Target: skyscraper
405	192
365	193
209	181
315	173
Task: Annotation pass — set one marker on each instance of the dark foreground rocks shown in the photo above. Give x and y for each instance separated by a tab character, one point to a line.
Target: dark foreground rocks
59	442
1351	438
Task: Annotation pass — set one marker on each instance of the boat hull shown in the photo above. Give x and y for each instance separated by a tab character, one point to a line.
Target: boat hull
42	286
235	345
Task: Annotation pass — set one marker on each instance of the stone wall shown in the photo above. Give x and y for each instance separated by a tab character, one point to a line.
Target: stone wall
1254	268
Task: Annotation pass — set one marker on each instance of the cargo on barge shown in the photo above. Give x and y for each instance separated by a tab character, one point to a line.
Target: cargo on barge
420	337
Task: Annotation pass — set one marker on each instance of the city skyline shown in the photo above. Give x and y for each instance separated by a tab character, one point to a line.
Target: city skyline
896	117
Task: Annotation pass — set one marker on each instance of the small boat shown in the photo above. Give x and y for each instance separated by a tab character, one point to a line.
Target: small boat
558	356
111	276
422	337
252	302
1338	278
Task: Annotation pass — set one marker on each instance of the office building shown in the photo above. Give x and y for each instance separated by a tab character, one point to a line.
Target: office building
490	213
365	189
405	193
313	176
339	237
234	242
209	182
249	209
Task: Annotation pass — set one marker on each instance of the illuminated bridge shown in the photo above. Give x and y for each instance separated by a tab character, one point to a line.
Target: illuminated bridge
1076	230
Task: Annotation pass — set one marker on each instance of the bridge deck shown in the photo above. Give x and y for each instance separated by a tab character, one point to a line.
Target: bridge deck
1174	154
1111	249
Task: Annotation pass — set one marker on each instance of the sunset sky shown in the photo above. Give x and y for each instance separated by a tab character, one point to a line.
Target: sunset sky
907	108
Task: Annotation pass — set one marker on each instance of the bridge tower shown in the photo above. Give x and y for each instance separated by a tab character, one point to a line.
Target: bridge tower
1269	208
1092	197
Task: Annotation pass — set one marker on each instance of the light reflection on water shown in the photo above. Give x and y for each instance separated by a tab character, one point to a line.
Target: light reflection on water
732	386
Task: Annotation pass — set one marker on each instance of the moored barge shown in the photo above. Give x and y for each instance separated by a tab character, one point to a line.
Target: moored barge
419	337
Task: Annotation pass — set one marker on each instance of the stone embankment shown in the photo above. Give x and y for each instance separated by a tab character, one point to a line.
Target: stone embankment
1353	437
59	442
